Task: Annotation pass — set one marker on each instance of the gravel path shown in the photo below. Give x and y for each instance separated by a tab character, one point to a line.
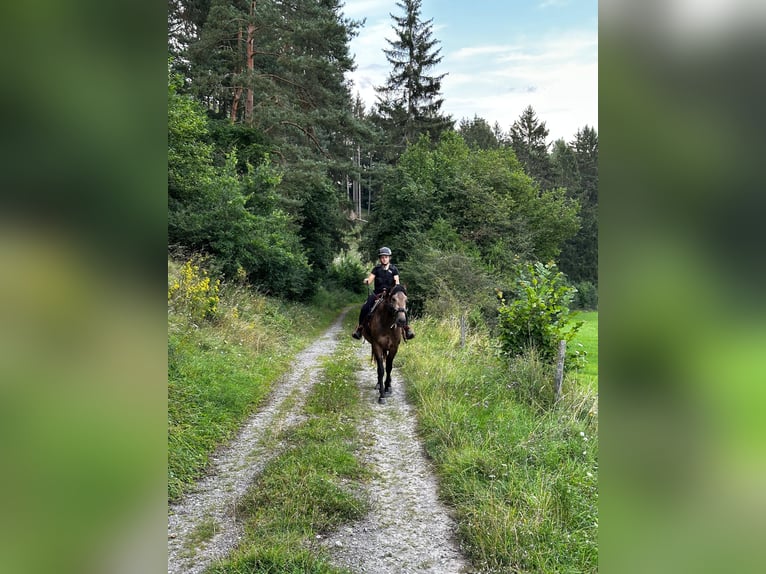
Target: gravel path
407	530
235	467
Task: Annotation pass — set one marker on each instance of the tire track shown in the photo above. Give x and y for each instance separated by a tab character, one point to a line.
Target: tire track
408	529
212	506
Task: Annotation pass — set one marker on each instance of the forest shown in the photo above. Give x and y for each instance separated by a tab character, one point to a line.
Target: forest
278	173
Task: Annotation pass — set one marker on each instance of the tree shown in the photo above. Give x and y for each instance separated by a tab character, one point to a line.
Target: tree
565	172
478	134
579	256
528	139
495	208
409	104
273	74
231	216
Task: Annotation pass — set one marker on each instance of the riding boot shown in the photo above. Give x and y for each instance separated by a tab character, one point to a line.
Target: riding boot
358	333
408	332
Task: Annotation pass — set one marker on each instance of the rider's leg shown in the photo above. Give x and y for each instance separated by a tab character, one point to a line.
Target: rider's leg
364	311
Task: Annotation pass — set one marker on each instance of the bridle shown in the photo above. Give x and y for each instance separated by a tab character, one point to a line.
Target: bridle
396	310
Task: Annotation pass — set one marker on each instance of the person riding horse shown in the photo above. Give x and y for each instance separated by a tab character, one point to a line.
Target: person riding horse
386	275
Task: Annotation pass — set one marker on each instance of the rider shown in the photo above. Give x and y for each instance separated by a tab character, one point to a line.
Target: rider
386	275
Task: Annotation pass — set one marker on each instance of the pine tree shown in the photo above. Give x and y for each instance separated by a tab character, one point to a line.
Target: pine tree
579	256
410	102
273	74
528	139
564	168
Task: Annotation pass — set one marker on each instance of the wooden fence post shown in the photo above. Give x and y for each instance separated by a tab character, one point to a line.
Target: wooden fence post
560	369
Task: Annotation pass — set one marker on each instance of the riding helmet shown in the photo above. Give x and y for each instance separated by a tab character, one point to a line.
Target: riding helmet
384	251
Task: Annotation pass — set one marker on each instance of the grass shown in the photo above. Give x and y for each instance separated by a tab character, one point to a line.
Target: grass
221	369
520	472
586	340
305	491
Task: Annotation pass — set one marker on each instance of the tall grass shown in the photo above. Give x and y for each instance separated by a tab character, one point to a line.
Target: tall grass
221	368
520	471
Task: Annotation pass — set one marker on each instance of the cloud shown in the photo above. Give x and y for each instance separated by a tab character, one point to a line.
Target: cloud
364	8
557	75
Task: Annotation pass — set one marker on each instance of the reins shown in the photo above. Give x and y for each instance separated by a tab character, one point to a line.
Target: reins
386	294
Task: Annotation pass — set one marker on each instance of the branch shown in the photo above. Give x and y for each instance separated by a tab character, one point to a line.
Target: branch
307	133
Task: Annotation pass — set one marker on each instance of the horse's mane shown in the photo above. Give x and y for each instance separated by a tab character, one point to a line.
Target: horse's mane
398	288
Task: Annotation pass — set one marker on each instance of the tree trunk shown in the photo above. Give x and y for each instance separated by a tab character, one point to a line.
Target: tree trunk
237	89
249	102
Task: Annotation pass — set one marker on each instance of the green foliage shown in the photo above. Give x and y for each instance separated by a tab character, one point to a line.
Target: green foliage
288	101
578	165
538	316
478	134
586	296
446	282
483	195
347	272
189	157
234	217
529	141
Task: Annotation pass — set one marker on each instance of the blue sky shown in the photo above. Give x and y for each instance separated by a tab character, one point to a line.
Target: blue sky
500	56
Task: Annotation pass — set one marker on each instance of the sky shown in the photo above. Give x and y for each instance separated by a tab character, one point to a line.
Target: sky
500	56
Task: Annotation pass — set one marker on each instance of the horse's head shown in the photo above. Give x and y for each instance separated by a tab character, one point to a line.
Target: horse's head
397	300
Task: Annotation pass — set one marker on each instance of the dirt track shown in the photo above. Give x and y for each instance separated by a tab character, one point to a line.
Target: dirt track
407	530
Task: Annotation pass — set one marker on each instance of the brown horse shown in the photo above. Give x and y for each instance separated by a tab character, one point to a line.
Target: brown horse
383	329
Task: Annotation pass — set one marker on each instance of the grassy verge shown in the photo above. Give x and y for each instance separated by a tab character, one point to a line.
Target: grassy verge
221	368
306	490
520	472
586	341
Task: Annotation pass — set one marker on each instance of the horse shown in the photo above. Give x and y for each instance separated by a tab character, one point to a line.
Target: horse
383	330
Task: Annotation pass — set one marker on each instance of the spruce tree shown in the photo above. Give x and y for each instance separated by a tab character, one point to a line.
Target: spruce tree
409	104
528	139
579	256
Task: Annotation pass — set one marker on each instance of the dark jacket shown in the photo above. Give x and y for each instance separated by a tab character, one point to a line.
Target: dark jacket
384	278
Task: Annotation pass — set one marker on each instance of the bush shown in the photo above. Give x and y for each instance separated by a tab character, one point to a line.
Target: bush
347	273
538	317
444	283
191	292
586	296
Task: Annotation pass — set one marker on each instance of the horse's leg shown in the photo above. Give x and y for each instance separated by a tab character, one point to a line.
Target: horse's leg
381	371
389	366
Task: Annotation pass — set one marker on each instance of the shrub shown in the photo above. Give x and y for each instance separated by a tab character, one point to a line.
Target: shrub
538	317
586	296
193	293
444	283
347	273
